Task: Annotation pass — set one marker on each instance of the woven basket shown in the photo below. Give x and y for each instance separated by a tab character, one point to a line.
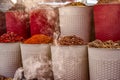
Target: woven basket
10	58
104	64
70	62
76	21
32	53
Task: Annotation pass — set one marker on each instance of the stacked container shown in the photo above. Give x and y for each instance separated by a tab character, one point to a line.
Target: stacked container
76	20
10	58
104	64
70	62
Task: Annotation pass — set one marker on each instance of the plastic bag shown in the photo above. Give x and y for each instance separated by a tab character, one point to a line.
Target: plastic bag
19	74
17	21
43	20
36	61
5	5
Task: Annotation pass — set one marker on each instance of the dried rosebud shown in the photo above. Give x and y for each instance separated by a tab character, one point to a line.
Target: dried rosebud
10	37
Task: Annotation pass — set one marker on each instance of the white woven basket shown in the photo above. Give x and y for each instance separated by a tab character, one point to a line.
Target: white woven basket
31	53
10	58
70	62
76	21
104	64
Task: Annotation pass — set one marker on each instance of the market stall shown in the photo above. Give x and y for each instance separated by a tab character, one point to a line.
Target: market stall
60	40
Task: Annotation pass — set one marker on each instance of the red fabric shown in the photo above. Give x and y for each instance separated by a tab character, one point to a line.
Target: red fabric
39	23
107	21
17	22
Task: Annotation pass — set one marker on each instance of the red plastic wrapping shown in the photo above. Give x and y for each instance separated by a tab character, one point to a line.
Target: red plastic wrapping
43	21
17	22
107	21
2	23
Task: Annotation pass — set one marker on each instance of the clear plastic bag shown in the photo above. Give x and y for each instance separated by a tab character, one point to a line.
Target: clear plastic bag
36	61
5	5
43	20
17	21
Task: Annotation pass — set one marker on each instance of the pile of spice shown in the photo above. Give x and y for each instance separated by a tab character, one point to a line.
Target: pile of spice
105	44
76	4
18	7
17	21
38	39
4	78
10	37
71	40
108	1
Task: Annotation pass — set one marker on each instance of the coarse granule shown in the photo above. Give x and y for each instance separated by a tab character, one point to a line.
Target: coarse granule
4	78
105	44
10	37
76	4
70	40
108	1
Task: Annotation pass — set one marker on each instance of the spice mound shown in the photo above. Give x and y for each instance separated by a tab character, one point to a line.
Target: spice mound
71	40
10	37
105	44
38	39
108	1
4	78
75	4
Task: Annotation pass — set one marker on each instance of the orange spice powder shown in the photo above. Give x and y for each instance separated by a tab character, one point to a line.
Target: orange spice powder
39	39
